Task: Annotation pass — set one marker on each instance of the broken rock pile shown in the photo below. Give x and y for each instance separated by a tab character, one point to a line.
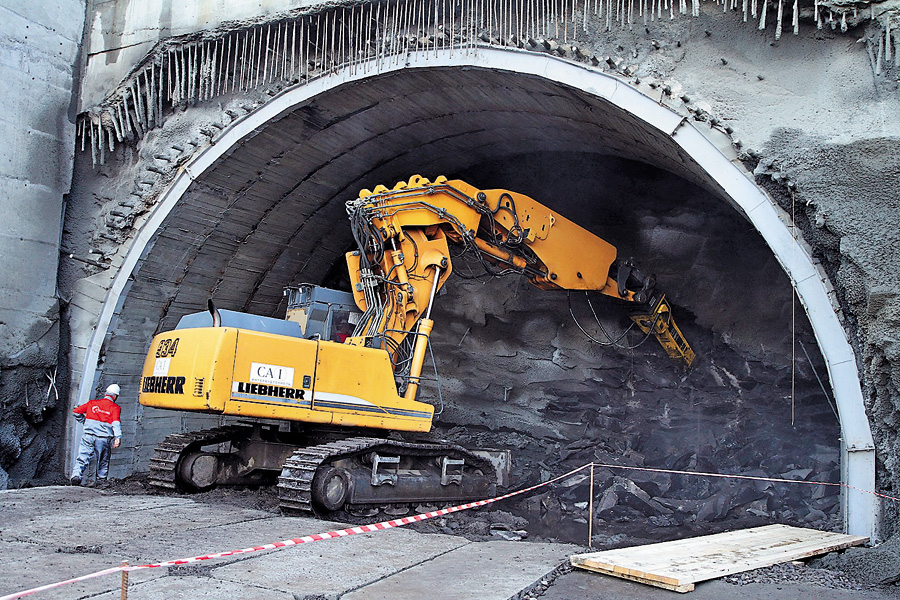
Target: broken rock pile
558	403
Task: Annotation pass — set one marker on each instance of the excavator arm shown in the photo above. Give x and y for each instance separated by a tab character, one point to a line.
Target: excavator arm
404	235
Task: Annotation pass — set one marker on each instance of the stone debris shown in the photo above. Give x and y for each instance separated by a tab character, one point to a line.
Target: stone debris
510	536
721	418
872	566
793	572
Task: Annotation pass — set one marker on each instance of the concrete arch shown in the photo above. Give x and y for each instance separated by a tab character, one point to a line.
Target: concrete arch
704	160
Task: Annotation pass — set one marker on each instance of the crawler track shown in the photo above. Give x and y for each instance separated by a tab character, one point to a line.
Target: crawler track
295	482
296	479
164	461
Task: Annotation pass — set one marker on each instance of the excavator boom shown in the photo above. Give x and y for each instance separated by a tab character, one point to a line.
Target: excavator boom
404	233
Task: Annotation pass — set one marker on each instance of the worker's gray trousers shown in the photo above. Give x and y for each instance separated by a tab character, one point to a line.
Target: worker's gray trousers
91	444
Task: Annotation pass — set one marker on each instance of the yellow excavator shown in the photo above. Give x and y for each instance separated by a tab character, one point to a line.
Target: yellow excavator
331	389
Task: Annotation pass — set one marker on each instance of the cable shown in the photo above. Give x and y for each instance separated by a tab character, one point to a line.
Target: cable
600	325
819	379
437	379
611	342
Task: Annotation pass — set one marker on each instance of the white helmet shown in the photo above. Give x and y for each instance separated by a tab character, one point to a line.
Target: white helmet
113	390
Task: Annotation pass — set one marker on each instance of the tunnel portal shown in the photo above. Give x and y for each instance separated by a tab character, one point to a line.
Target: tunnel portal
263	207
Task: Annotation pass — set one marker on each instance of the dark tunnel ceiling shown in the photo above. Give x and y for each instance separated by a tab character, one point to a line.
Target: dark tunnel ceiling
271	211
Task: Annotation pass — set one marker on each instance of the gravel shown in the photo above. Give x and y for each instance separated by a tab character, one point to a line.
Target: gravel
799	572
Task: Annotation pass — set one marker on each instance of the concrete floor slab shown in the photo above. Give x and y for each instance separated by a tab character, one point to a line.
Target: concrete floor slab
474	571
18	504
56	533
235	536
196	588
28	565
80	516
334	567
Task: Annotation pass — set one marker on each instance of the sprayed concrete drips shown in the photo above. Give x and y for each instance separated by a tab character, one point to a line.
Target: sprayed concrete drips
307	44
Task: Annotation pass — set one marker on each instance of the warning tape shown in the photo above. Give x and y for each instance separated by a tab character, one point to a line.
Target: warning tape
414	519
750	477
302	540
62	583
353	530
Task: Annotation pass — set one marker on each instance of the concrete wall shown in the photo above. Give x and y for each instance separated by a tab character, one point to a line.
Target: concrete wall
39	49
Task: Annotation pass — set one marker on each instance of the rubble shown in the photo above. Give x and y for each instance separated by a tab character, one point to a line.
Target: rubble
873	566
726	415
800	572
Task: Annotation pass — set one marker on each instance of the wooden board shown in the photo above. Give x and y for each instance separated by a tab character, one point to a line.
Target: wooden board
679	564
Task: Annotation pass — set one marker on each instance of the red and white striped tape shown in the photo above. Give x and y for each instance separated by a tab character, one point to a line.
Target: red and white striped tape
413	519
62	583
352	530
297	541
750	477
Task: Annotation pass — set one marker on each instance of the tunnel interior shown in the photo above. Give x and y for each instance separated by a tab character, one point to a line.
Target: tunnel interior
513	369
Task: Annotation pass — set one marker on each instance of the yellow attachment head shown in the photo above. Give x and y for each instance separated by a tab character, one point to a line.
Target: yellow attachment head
414	182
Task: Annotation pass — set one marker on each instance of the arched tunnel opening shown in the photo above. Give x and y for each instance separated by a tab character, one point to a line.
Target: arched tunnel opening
514	370
158	157
263	206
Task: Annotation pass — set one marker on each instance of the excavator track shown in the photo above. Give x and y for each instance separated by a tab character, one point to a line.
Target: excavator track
351	455
295	485
295	482
164	462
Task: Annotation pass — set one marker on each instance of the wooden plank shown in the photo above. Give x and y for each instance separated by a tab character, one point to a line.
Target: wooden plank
690	551
764	550
679	564
761	537
656	583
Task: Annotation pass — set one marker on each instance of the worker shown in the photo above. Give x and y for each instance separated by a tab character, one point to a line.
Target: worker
102	429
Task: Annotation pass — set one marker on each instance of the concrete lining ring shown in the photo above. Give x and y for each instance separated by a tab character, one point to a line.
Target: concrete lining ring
860	508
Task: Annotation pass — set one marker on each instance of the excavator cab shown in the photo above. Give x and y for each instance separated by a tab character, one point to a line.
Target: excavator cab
323	313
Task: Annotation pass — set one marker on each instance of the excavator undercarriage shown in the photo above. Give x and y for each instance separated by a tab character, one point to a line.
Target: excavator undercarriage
324	471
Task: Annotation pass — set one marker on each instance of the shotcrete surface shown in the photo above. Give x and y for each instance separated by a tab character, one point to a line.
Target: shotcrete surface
53	533
38	47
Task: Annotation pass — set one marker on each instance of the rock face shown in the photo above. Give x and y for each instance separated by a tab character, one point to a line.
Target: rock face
517	372
528	380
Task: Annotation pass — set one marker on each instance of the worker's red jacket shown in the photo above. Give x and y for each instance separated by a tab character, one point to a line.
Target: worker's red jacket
100	417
